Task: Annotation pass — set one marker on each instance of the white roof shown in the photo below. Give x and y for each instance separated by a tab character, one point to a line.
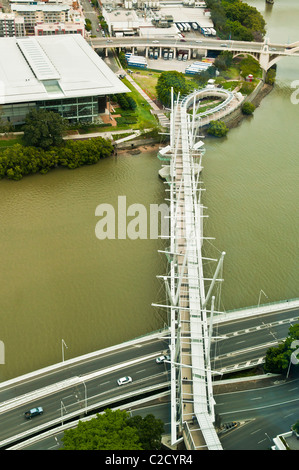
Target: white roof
39	7
67	61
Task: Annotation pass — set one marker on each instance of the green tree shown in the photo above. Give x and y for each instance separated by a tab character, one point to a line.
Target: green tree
236	19
150	431
168	80
17	161
278	358
115	430
248	108
43	128
217	129
224	60
271	75
295	427
88	25
108	431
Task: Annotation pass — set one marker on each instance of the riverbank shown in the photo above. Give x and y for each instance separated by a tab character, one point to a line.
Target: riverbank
139	147
234	119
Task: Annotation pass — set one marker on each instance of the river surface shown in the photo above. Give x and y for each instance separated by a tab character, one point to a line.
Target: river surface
59	282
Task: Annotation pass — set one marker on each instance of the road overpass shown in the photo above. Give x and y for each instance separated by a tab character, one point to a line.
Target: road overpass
81	386
267	53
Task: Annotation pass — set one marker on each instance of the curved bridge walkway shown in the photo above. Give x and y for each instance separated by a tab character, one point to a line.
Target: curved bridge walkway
192	403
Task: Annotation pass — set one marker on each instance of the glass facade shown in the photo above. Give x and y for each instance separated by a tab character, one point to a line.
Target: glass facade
74	109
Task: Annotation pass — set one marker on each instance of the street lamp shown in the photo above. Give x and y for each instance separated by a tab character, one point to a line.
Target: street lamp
62	347
261	291
85	389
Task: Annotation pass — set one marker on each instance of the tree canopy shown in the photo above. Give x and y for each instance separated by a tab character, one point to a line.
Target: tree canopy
248	108
168	80
278	358
237	20
18	161
115	430
217	129
43	128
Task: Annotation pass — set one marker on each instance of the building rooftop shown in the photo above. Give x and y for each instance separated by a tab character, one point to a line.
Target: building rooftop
39	7
52	67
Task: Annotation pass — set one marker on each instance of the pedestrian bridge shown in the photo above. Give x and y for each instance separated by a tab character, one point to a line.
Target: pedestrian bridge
189	307
191	312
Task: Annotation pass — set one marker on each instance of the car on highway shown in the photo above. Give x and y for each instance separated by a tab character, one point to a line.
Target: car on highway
162	359
155	42
124	380
223	45
34	412
109	40
198	40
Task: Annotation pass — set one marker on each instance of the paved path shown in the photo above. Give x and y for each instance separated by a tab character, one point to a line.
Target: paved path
163	120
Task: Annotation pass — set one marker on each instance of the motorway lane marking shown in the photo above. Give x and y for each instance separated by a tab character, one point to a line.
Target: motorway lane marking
262	441
287	416
258	430
260	407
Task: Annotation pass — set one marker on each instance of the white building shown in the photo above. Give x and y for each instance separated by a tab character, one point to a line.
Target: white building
44	29
41	13
11	26
59	73
51	17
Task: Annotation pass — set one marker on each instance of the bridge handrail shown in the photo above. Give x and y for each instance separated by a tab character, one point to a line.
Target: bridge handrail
209	91
75	360
61	419
65	384
295	299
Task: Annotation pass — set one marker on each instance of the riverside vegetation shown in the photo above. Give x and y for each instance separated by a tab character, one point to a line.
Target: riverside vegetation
43	130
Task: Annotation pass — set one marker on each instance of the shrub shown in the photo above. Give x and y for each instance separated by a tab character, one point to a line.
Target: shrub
217	129
248	108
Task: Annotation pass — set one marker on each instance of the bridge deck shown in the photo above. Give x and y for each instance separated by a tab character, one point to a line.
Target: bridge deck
191	381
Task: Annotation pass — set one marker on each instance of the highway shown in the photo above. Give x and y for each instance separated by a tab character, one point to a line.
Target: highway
54	442
138	361
248	338
98	375
263	412
194	43
104	359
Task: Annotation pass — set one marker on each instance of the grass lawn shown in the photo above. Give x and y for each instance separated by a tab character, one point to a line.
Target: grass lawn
147	80
9	142
143	111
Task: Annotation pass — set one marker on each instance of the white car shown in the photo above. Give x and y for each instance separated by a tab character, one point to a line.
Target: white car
198	40
163	358
124	380
155	42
